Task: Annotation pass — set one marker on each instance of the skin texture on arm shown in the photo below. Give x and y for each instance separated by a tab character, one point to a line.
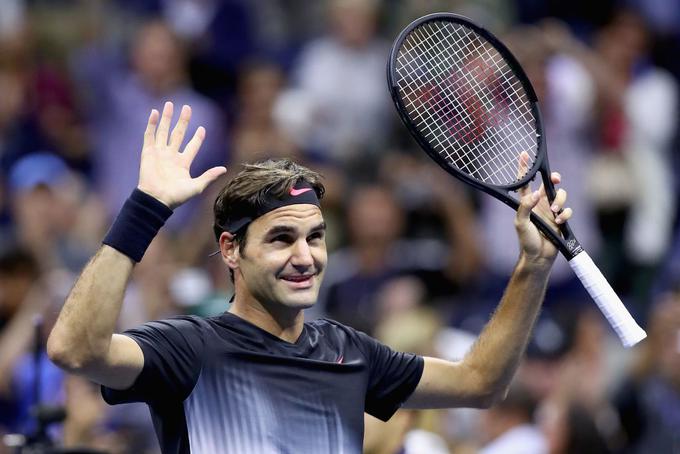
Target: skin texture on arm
83	340
483	376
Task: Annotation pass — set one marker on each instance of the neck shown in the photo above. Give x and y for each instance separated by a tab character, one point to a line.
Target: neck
283	322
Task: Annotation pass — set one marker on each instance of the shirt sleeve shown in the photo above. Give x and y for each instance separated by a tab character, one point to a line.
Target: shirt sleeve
173	356
393	376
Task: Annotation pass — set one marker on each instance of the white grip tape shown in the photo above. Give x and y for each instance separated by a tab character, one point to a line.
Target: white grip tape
609	303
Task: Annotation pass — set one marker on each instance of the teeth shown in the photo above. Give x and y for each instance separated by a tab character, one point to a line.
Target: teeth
297	278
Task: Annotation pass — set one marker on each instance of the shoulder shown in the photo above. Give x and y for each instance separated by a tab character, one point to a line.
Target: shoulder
318	47
181	322
188	327
338	333
655	79
326	327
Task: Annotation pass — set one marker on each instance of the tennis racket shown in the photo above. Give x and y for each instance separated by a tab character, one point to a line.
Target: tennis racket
468	103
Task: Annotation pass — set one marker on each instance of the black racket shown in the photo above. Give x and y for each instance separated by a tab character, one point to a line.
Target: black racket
470	106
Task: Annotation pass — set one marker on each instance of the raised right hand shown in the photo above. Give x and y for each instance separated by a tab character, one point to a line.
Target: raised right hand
164	170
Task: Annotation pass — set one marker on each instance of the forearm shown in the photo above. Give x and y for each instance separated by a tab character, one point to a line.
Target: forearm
88	319
499	348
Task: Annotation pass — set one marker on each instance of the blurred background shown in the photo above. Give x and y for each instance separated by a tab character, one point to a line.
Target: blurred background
417	260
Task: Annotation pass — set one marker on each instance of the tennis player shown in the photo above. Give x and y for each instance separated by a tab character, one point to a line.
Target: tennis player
258	379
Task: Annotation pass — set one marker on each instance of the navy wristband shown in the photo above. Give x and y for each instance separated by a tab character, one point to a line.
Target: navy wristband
137	224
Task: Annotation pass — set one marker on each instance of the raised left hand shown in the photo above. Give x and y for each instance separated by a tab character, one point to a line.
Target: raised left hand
164	170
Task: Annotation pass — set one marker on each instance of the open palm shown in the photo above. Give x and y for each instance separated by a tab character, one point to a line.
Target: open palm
164	170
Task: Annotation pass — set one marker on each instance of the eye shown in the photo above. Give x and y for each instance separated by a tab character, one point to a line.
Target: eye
287	239
315	236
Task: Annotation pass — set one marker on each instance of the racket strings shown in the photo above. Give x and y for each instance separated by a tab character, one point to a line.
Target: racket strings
466	101
509	174
495	171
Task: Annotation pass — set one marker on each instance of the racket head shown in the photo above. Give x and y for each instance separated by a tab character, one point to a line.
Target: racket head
463	97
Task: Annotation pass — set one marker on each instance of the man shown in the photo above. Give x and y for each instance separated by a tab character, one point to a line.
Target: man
257	379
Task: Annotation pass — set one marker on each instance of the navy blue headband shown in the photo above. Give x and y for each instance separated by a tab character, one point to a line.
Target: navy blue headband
301	193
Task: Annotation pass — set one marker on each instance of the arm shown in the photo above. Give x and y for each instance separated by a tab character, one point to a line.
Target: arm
483	376
82	340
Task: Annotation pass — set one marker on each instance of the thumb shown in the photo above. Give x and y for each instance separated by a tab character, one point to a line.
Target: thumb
209	176
526	204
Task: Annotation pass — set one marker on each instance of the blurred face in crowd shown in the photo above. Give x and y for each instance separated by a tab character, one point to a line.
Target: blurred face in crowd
258	89
665	330
157	57
283	259
526	43
15	282
12	99
36	213
353	21
623	41
374	216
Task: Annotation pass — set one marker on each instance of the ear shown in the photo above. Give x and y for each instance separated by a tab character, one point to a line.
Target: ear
229	250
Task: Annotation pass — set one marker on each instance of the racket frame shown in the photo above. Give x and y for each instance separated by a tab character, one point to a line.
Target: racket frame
567	244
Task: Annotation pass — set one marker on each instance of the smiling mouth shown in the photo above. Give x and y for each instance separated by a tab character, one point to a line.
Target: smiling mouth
302	282
302	278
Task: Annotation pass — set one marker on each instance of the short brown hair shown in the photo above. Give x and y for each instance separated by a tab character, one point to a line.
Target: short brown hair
256	181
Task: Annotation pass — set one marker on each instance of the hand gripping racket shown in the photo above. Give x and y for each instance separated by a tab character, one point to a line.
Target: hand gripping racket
468	103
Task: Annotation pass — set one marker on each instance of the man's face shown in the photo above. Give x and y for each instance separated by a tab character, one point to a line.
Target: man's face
284	257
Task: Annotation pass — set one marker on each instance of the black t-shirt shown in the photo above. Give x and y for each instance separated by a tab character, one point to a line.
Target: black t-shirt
223	385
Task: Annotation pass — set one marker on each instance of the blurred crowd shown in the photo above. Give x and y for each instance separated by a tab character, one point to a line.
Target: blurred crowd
417	259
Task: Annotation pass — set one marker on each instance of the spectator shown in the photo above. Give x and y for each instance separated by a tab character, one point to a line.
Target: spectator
340	79
157	72
24	293
255	135
414	328
630	179
378	252
649	401
45	197
571	429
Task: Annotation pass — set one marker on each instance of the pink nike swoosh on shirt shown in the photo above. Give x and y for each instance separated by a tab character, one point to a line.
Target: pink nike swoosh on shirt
296	192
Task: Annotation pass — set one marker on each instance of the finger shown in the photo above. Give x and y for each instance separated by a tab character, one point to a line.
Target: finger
177	135
209	176
564	216
194	144
150	132
164	125
560	199
556	178
522	169
526	204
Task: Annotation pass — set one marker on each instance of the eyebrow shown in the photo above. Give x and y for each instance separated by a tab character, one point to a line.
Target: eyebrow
279	229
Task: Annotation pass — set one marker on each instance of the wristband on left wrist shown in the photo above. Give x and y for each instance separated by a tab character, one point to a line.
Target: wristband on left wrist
136	225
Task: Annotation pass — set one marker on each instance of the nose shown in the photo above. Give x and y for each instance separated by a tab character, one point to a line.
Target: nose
302	258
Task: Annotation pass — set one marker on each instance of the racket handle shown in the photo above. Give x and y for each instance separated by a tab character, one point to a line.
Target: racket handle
609	303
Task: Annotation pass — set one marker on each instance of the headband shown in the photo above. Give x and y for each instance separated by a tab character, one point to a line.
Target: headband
300	193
